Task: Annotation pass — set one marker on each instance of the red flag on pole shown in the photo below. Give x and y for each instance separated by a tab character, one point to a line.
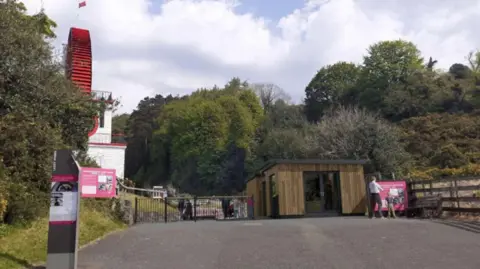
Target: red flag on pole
82	4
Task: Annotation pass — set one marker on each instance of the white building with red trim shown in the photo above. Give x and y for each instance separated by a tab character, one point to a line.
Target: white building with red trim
102	149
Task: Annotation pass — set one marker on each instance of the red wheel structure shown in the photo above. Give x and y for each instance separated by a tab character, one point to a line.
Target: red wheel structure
79	63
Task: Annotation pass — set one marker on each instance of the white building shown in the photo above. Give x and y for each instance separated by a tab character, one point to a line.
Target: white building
100	147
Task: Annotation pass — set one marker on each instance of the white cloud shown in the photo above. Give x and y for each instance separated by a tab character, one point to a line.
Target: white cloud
195	43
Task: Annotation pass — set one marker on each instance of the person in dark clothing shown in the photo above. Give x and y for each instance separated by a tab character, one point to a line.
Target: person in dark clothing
225	206
189	211
181	206
328	195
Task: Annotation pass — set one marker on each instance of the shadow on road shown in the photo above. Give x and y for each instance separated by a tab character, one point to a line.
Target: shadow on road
469	226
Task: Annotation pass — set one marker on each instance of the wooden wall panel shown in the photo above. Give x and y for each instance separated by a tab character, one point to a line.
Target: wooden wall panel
351	181
291	192
353	189
254	190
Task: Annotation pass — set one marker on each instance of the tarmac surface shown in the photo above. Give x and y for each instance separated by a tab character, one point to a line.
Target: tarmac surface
320	243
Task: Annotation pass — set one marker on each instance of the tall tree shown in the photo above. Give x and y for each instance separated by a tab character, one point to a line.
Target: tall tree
45	111
333	85
139	132
119	123
270	93
388	65
463	89
209	136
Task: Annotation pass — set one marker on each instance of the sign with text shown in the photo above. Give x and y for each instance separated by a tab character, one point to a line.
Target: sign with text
397	190
63	201
98	182
62	244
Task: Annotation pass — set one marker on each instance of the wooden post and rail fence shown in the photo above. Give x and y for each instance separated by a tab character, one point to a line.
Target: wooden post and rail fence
458	194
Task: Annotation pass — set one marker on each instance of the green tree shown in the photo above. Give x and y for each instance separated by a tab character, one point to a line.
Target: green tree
45	112
279	135
332	86
462	89
209	135
422	92
388	65
119	123
139	129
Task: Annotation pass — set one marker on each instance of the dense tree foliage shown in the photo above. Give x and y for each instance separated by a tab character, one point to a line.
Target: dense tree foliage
42	111
139	129
332	86
208	136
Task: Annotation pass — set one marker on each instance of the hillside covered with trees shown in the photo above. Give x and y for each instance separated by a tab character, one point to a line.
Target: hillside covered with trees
395	109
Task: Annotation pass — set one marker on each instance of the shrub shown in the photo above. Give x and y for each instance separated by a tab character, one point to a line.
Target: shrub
435	172
25	204
449	157
456	135
352	133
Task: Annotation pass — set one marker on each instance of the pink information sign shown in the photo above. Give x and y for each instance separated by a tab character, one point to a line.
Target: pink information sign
98	182
398	191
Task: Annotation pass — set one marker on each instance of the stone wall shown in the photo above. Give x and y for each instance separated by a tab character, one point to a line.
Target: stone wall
127	210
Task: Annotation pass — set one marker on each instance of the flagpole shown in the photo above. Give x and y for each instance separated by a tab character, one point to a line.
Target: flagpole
80	4
77	12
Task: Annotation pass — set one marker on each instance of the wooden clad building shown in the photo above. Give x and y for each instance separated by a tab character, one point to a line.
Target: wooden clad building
283	188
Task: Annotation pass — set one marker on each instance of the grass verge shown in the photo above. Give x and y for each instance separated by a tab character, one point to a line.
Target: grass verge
22	247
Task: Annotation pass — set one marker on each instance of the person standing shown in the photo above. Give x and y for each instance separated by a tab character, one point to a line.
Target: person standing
181	206
375	199
188	211
390	206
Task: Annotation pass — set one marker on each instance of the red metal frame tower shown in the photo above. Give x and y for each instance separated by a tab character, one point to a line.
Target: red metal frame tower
79	63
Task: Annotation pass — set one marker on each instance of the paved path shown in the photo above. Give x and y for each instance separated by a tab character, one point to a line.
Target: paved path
322	243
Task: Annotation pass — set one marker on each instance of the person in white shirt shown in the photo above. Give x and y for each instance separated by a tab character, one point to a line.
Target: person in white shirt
375	189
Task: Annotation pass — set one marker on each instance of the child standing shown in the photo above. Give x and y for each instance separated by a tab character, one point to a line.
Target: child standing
391	209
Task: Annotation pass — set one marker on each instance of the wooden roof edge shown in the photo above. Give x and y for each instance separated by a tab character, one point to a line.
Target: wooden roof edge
269	164
260	171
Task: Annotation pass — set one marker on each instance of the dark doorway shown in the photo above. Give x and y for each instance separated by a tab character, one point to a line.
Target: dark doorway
274	206
264	199
322	192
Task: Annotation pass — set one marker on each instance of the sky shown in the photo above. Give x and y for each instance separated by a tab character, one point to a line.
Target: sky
147	47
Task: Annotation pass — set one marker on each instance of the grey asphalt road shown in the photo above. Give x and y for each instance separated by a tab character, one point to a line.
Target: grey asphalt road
321	243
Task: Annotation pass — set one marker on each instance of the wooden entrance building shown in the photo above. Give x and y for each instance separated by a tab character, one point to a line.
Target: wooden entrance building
289	188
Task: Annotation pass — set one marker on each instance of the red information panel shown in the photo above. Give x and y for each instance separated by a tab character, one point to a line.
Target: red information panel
98	182
397	190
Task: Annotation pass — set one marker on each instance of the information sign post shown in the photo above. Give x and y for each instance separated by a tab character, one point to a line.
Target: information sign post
64	208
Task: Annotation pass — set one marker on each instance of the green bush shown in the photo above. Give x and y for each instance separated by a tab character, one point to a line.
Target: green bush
449	157
25	204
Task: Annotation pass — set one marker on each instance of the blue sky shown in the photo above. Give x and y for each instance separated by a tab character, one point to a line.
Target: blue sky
271	9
